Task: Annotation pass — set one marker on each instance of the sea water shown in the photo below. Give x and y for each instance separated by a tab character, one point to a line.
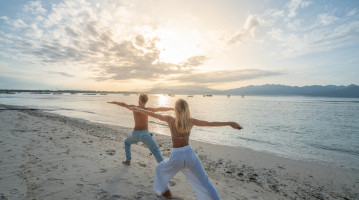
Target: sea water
315	129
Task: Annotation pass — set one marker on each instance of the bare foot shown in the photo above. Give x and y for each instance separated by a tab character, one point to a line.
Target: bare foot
167	194
126	162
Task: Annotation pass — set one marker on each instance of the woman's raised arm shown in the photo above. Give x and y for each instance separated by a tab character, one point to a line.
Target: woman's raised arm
234	125
165	118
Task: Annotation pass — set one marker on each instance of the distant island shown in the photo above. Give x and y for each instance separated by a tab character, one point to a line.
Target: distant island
350	91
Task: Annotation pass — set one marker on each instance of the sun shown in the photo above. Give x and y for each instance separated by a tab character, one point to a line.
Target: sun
176	46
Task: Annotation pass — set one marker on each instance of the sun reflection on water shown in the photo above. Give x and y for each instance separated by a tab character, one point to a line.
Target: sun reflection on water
163	100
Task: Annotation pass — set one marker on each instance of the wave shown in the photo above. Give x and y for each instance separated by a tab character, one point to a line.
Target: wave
74	110
334	149
258	141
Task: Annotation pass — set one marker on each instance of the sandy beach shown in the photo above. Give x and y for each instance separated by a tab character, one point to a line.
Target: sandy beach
48	156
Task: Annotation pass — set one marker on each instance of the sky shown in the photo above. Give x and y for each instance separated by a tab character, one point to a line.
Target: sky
135	45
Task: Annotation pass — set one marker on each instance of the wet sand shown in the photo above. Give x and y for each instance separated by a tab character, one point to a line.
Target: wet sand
48	156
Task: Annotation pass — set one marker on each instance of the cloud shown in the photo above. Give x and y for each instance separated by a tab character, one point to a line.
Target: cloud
194	61
326	19
4	18
35	7
314	32
148	67
74	34
293	5
18	23
60	73
352	12
227	76
318	40
249	28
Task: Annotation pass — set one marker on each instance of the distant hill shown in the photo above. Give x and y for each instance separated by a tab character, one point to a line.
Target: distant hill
269	89
283	90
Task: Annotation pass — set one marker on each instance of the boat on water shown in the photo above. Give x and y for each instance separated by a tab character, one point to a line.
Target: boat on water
89	94
103	94
228	96
190	96
209	95
57	93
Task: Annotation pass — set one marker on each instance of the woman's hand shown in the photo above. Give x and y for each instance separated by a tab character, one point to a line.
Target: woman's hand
235	125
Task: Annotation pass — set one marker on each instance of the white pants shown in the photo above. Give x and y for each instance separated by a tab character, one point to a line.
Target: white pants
184	159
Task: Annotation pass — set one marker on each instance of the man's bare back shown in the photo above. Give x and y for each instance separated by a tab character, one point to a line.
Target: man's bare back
141	121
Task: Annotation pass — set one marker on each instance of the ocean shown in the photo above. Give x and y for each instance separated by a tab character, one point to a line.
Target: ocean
312	129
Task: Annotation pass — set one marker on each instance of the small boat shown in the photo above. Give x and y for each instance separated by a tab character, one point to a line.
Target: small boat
209	95
57	93
103	94
89	94
228	96
190	96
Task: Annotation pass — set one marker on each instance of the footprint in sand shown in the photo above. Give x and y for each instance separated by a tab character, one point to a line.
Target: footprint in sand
2	196
110	152
172	183
14	191
142	164
103	170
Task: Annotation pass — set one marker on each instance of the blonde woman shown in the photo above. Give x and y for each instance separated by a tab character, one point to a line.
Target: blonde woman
183	158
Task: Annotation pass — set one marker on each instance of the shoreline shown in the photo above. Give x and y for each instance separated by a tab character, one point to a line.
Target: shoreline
40	148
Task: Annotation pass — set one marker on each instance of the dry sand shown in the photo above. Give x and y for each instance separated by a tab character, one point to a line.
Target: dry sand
48	156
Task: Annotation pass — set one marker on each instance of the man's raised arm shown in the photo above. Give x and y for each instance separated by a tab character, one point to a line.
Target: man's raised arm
121	104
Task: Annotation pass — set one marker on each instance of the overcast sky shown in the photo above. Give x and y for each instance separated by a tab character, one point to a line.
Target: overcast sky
136	45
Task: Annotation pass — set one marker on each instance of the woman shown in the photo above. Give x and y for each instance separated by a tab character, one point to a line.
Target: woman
183	158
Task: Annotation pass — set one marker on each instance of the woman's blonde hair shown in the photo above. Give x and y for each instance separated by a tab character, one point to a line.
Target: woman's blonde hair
183	120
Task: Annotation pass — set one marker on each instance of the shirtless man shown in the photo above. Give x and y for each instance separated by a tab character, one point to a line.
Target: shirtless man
140	131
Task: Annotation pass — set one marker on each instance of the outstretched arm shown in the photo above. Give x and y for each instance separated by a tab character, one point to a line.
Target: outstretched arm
234	125
121	104
165	118
159	109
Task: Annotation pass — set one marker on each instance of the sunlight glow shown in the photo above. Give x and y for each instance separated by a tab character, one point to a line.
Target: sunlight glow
178	45
163	100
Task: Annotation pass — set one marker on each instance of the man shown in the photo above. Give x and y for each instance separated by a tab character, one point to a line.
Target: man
140	132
